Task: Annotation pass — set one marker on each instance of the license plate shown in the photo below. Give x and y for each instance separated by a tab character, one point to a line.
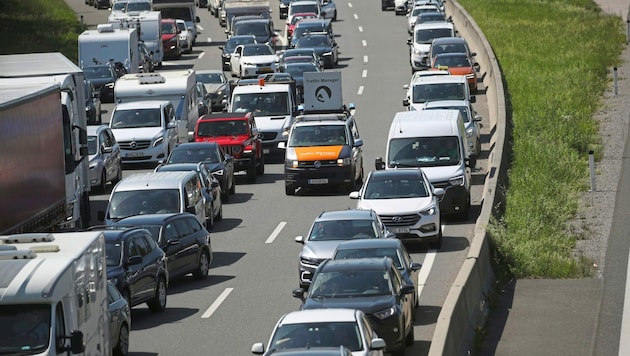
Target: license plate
399	230
265	150
135	154
318	181
265	69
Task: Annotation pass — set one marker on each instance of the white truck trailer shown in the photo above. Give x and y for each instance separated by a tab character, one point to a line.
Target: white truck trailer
179	9
53	294
149	25
108	44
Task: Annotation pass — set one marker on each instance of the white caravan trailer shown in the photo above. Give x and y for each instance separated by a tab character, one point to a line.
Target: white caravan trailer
149	23
106	44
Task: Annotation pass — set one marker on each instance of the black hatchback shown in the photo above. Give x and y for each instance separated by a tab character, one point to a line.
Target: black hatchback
182	237
372	285
136	265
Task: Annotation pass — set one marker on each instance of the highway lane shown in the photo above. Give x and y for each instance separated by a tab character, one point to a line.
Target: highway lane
255	260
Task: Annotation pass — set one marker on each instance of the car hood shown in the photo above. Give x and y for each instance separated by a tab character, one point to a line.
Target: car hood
423	47
94	158
140	133
259	59
396	206
320	249
442	173
368	305
213	87
460	70
214	166
225	140
272	123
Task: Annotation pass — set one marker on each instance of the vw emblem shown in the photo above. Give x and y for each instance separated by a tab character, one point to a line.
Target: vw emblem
397	219
133	145
317	164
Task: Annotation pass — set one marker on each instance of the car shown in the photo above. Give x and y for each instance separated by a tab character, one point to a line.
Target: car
314	351
136	265
185	36
324	46
217	86
210	153
283	8
302	6
297	18
211	188
146	64
203	99
297	69
450	45
423	89
301	329
299	52
308	26
261	28
457	64
230	45
412	15
170	39
92	104
331	228
103	78
372	285
238	136
375	248
422	36
250	60
323	150
329	10
201	3
405	201
183	239
104	156
426	17
214	6
119	320
471	122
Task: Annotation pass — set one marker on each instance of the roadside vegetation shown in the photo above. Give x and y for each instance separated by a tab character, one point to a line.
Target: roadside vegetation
38	26
555	56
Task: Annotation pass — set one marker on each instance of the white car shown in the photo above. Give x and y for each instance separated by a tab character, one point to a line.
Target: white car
417	10
405	201
324	328
250	60
185	36
423	35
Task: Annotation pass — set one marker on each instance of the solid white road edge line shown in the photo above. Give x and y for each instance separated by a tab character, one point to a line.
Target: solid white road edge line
349	4
425	270
217	303
276	232
624	345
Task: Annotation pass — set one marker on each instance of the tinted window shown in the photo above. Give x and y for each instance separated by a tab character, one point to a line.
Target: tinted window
331	334
183	228
135	118
320	135
194	224
194	155
141	246
353	283
170	232
139	202
424	151
342	230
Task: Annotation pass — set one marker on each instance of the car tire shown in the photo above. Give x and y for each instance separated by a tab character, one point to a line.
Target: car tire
438	242
251	172
289	189
127	295
158	303
100	188
233	187
210	220
409	339
335	16
260	169
219	216
203	267
122	346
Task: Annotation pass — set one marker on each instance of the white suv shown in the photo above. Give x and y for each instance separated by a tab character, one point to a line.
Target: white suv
423	34
145	130
425	89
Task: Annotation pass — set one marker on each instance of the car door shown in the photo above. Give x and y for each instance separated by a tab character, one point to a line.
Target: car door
109	159
235	60
148	268
228	164
405	301
169	242
134	272
357	151
188	249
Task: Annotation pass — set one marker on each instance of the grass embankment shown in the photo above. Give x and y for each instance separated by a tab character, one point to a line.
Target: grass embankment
38	26
555	56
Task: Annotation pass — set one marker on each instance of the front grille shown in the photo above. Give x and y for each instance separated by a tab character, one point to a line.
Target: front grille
269	136
141	158
232	150
259	65
443	185
400	220
134	145
311	164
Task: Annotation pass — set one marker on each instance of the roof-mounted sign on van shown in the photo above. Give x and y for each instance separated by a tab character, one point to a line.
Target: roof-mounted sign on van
27	238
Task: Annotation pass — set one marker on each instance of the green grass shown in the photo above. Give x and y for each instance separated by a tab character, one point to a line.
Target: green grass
38	26
555	56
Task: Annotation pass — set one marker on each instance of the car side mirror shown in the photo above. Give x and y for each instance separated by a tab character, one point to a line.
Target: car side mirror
473	99
379	164
258	348
358	142
390	235
439	192
477	118
108	149
299	239
197	19
377	344
282	145
354	195
415	266
405	102
221	47
298	293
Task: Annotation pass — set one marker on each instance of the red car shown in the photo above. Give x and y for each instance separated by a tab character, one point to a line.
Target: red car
297	18
238	137
170	39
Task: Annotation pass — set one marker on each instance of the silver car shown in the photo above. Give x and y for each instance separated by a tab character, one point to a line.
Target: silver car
119	320
104	155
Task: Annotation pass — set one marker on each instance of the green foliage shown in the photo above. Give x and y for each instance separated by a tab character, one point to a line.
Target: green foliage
38	26
555	56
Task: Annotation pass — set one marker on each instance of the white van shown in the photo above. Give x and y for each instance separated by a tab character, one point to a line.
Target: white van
108	43
423	89
178	87
436	141
156	193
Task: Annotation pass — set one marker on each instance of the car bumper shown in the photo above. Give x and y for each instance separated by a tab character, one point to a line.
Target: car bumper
413	226
271	140
170	51
254	71
323	176
242	164
148	155
391	330
419	61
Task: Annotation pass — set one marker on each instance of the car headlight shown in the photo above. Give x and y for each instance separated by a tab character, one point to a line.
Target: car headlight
327	53
310	260
386	313
469	132
245	63
419	52
429	211
456	181
291	160
218	172
158	141
93	165
470	76
343	161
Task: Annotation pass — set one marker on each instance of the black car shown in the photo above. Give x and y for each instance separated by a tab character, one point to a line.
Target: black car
211	187
119	320
372	285
221	165
92	105
323	45
136	265
284	8
217	86
297	70
230	45
308	26
182	237
103	77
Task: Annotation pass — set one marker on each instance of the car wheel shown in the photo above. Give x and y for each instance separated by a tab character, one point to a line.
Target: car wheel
118	177
219	216
409	339
127	295
233	187
122	346
225	196
260	170
438	242
216	13
226	67
289	189
100	188
158	303
335	16
210	220
204	266
251	172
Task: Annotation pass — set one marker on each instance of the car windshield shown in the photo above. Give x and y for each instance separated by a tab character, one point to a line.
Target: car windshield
326	334
314	41
304	8
395	188
98	72
370	253
355	283
343	230
320	135
262	50
439	91
452	61
221	128
92	145
119	6
448	48
209	155
211	78
424	151
124	204
236	41
263	104
425	35
135	118
25	329
181	26
138	6
418	10
297	52
298	70
254	28
168	28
